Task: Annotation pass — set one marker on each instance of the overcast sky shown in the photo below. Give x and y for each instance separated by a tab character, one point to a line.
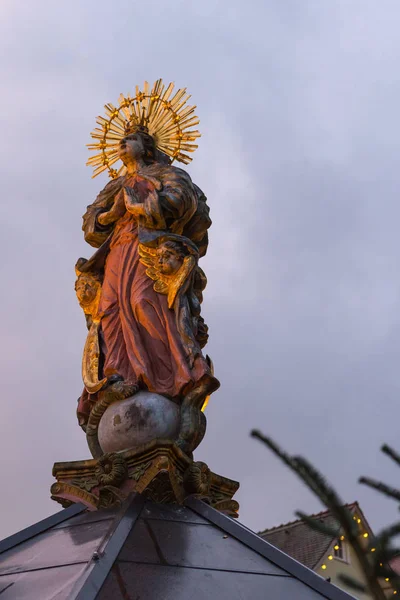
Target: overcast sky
299	103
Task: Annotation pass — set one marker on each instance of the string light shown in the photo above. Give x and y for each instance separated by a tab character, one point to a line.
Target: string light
323	567
373	549
365	535
330	557
336	547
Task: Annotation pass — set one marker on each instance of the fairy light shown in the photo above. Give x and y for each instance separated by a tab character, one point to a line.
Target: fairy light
365	535
323	567
373	549
336	547
330	557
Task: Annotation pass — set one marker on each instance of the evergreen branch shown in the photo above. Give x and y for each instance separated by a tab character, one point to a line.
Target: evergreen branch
317	484
386	535
328	496
274	447
380	487
380	562
392	453
353	584
382	572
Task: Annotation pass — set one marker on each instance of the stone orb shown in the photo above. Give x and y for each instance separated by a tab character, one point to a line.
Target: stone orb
138	420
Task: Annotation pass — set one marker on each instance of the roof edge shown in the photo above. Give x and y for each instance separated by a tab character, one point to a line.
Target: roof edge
270	552
41	526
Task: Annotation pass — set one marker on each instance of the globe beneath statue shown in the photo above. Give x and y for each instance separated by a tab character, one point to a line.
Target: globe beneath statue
138	420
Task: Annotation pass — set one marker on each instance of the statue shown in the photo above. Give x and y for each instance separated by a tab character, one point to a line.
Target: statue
146	379
141	291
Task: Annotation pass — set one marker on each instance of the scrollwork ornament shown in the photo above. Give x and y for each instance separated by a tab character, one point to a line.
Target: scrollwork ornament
196	479
111	469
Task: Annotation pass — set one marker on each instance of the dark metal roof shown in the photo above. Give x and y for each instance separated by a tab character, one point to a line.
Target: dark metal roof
152	551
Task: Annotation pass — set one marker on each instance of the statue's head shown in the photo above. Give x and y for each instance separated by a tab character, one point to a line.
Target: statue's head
87	287
139	144
136	145
170	256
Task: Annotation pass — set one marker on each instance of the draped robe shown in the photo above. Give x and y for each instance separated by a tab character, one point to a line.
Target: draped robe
139	339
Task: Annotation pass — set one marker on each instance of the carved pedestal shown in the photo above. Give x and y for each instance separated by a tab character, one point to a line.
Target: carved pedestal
159	470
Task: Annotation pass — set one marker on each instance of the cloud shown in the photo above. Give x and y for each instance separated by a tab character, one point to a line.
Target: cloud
299	115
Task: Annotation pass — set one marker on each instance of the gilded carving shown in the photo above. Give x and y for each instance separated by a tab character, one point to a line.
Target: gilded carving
141	294
138	472
88	291
86	484
67	491
228	506
141	291
197	479
110	496
160	490
111	469
159	470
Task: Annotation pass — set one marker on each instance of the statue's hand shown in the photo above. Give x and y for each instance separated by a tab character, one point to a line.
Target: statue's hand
106	218
116	211
130	196
132	202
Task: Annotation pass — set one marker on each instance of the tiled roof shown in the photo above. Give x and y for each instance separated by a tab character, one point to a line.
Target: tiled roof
300	541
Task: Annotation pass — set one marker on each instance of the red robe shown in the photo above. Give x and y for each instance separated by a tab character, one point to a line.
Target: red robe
138	335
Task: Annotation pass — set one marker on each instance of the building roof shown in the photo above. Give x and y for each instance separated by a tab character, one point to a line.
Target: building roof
152	551
303	543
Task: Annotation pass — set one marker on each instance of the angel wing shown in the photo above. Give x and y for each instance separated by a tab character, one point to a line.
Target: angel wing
148	256
168	285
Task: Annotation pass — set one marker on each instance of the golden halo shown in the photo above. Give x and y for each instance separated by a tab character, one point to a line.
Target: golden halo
166	119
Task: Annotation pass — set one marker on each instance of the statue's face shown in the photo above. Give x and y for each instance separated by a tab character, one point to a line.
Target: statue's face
86	290
169	262
131	148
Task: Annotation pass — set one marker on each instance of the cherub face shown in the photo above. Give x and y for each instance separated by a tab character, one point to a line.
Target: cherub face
86	290
169	260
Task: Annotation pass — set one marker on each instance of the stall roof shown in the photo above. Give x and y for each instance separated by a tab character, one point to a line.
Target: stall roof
153	551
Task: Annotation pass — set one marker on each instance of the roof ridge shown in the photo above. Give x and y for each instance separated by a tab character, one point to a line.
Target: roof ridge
296	522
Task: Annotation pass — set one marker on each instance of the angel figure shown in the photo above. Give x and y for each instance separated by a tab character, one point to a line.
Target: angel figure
173	266
88	292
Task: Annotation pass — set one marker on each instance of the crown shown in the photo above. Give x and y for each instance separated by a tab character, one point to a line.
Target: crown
168	119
